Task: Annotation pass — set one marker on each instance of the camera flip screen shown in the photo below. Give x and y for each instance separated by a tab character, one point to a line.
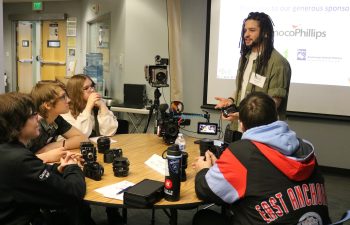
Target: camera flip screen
207	128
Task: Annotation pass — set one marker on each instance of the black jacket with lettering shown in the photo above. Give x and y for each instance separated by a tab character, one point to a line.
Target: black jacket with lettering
27	185
264	185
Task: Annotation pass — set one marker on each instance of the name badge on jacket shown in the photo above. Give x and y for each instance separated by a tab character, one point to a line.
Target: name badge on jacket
257	80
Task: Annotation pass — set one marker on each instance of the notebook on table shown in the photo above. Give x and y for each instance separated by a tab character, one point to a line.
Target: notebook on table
134	96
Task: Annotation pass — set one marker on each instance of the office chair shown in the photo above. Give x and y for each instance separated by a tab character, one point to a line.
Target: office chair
123	127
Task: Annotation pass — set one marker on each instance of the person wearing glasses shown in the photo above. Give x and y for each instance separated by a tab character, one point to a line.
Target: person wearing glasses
51	100
88	112
27	184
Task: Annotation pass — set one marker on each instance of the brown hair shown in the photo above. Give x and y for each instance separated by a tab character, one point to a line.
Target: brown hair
46	91
257	109
16	109
75	91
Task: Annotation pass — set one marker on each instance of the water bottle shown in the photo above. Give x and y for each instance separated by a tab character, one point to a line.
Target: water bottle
181	142
173	173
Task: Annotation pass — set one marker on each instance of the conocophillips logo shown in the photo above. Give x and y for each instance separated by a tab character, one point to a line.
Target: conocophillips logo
297	31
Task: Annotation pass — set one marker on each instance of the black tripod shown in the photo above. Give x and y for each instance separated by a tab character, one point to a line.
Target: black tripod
154	106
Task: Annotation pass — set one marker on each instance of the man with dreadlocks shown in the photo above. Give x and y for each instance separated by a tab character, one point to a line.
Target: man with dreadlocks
261	67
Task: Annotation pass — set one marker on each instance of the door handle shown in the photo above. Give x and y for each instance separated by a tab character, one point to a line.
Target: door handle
53	62
25	60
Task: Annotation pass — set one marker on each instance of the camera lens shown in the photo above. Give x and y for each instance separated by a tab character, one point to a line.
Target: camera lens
83	152
103	144
161	77
90	155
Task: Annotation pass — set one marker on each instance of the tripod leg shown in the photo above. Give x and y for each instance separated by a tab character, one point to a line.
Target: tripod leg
149	118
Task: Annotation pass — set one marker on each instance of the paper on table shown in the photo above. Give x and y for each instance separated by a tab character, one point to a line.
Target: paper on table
94	139
111	191
157	163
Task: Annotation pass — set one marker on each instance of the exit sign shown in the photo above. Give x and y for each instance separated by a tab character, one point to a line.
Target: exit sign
37	6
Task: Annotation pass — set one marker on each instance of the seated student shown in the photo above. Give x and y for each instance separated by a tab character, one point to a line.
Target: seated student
83	101
51	100
28	185
86	105
268	177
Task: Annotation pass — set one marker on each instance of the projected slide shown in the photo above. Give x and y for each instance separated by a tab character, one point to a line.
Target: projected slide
312	35
308	33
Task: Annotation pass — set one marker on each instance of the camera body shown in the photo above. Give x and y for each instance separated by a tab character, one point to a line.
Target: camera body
110	155
208	144
91	169
88	151
157	75
229	109
167	125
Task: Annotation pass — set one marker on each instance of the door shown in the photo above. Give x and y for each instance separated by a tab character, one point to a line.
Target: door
53	50
25	79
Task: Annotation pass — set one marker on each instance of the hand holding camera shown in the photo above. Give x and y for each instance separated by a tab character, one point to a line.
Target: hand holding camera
226	111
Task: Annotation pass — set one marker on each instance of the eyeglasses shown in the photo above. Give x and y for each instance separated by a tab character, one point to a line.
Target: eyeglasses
90	87
63	97
34	115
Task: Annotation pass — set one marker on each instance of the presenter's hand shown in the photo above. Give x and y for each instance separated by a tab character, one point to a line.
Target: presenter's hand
231	116
223	102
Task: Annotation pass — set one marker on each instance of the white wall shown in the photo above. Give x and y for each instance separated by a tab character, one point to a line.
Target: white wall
138	33
146	36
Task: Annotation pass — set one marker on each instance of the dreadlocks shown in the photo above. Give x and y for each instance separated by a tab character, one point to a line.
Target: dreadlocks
265	42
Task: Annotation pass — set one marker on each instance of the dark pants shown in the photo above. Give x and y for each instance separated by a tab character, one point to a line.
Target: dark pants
209	217
76	215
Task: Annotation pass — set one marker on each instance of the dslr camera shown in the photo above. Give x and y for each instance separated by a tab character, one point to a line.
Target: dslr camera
157	75
91	169
168	126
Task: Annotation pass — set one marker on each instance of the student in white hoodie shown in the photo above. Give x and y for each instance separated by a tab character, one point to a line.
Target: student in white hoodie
85	105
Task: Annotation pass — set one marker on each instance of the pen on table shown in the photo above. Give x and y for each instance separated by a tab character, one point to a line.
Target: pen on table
123	190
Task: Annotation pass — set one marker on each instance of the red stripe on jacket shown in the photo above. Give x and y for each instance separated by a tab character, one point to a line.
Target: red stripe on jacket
295	170
233	171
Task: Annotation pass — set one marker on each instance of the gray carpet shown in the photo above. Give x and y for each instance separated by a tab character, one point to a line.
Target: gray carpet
337	188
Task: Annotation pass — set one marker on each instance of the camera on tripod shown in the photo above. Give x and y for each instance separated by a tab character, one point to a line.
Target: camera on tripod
157	75
168	126
91	169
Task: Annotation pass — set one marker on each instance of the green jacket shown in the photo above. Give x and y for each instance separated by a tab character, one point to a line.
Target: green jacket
278	75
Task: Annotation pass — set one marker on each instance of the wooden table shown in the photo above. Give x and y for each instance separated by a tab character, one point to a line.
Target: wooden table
138	148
